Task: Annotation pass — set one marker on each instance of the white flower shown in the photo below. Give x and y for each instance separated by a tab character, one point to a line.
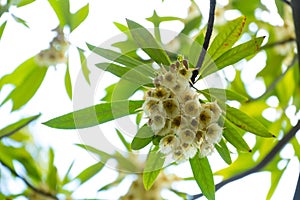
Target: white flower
215	109
206	149
213	133
187	136
171	107
166	129
168	144
169	80
178	154
205	118
157	122
179	122
192	108
152	105
189	151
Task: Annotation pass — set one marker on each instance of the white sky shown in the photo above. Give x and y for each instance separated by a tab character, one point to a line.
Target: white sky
19	43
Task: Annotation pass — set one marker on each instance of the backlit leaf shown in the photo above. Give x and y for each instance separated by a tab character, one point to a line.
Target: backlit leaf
223	151
95	115
154	164
78	17
11	129
147	42
68	84
89	172
143	137
203	176
245	122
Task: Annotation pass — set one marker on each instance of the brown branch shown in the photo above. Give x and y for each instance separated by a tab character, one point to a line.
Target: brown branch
41	192
295	4
282	42
262	163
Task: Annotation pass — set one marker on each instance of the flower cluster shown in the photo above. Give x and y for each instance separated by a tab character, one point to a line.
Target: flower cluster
175	114
56	53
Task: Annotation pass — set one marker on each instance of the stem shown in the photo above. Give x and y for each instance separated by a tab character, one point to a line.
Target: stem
41	192
262	163
274	83
296	16
297	192
267	46
207	37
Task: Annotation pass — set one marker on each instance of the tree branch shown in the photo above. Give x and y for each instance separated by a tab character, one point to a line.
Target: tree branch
41	192
262	163
207	37
274	83
297	192
295	4
267	46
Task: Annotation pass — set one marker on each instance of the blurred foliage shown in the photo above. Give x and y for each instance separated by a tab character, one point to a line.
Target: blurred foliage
235	43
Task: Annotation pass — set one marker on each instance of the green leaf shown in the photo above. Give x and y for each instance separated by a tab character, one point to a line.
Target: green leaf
203	176
196	49
19	20
146	41
68	83
130	74
233	55
95	115
109	92
123	140
20	3
112	184
223	151
62	11
52	176
143	137
232	134
226	38
89	172
66	178
221	95
27	78
78	17
85	70
154	163
245	122
11	129
2	27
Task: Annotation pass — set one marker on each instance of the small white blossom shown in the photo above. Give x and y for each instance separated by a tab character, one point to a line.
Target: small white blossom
213	133
168	144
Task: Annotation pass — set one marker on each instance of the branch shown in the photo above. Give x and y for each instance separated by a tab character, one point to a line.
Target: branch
297	192
274	83
295	4
209	30
41	192
262	163
267	46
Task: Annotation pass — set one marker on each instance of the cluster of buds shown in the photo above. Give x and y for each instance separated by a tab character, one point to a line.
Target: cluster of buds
56	53
175	114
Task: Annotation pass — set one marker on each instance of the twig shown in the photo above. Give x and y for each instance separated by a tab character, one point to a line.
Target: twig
263	163
267	46
297	191
274	83
208	33
41	192
295	4
287	2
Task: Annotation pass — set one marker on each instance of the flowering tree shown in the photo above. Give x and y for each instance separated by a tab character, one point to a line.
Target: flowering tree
195	102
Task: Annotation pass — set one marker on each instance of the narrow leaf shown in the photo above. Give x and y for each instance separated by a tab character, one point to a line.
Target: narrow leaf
203	176
52	175
223	151
245	122
21	3
66	178
78	17
143	137
62	11
227	37
154	163
11	129
85	70
147	42
68	84
2	27
232	134
89	172
222	95
123	140
233	55
95	115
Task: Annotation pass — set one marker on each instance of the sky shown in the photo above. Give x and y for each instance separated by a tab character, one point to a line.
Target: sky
19	43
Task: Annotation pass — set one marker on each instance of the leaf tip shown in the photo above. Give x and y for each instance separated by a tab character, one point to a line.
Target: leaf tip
250	150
